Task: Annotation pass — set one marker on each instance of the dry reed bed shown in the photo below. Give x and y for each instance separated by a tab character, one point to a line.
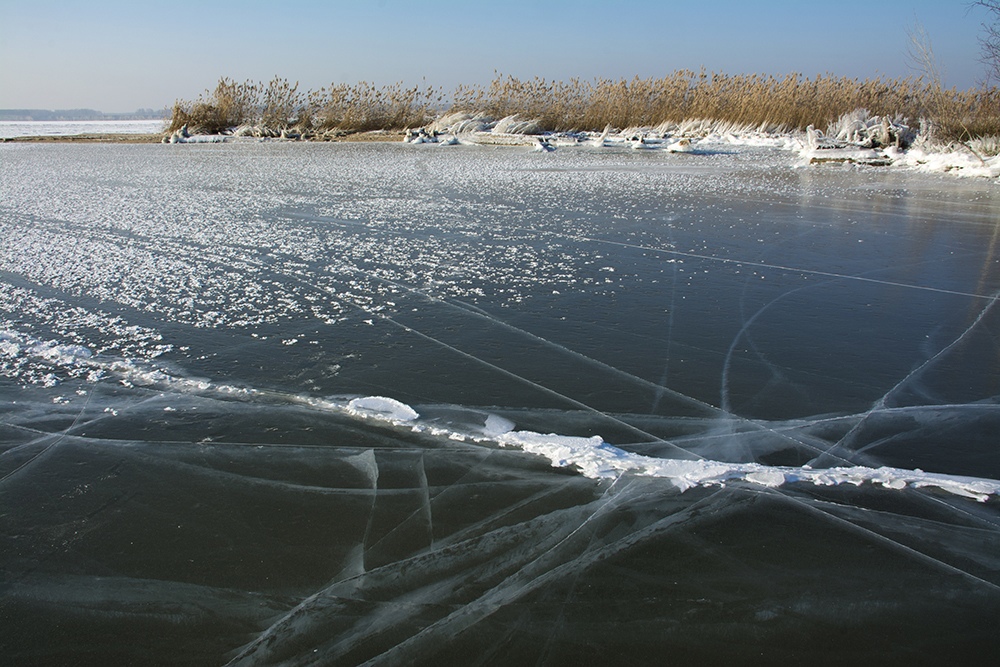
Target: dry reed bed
279	105
791	102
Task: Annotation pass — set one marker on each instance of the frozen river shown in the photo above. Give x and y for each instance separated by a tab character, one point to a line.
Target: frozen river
331	403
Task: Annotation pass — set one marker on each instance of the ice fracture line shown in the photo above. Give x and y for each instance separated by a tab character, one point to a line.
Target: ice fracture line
880	404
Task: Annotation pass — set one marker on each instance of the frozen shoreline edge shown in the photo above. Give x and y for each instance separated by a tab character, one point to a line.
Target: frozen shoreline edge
952	160
157	138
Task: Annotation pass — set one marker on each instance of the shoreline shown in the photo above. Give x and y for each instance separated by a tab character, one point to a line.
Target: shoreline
811	147
156	138
101	138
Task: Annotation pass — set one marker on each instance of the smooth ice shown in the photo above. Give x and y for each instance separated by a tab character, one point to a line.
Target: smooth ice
278	403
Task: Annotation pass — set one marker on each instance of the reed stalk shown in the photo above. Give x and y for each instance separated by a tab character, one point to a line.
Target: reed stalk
789	102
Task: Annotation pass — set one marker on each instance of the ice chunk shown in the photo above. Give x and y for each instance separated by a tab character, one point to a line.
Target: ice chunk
496	426
386	408
62	354
770	478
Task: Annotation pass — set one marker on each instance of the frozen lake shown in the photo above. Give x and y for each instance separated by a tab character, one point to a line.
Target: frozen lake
37	128
331	403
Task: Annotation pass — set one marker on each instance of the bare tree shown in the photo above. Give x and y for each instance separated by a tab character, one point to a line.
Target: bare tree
990	40
920	57
920	54
940	122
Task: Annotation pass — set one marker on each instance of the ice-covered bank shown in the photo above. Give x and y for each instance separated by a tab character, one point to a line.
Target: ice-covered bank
856	138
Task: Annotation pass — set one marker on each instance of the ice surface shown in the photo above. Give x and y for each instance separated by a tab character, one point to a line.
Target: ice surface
292	403
592	456
60	128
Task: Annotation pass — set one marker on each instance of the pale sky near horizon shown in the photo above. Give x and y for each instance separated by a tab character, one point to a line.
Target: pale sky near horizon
114	55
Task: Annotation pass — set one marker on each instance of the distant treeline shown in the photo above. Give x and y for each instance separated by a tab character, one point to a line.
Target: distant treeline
775	103
80	114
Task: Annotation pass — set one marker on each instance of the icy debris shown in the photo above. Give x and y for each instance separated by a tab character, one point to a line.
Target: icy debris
516	125
591	456
959	159
183	136
264	132
868	157
543	146
60	354
460	123
860	129
69	358
49	363
681	146
421	136
382	407
595	458
857	138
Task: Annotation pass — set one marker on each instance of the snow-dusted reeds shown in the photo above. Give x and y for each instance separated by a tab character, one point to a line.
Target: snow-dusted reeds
230	105
365	107
277	107
771	103
747	100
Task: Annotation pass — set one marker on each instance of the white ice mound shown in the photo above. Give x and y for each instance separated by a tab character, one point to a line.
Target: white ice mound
383	408
591	456
959	160
597	459
60	354
516	125
495	426
461	123
13	344
681	146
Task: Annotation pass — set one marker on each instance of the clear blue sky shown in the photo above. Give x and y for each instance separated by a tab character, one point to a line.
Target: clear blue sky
116	55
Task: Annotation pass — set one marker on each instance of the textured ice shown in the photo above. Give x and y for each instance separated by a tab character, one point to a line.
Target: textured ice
592	456
286	403
63	128
385	408
597	459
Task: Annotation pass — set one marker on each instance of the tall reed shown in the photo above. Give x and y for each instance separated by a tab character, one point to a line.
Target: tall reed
363	107
279	105
788	102
229	105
